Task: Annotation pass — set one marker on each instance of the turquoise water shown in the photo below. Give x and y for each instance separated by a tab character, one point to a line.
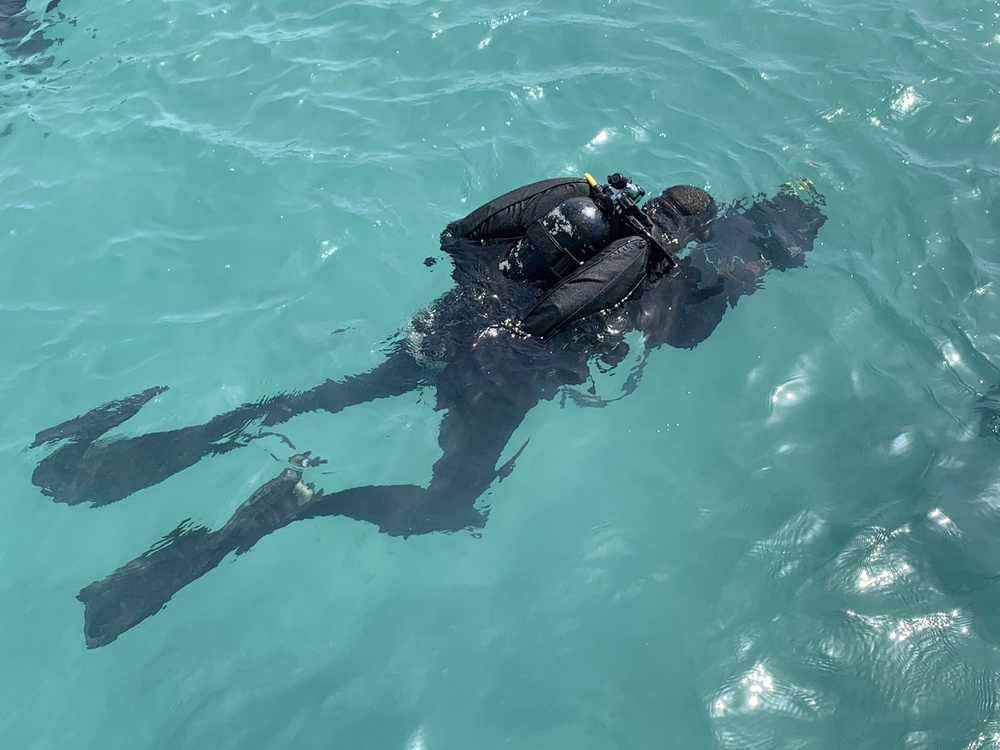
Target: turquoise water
785	538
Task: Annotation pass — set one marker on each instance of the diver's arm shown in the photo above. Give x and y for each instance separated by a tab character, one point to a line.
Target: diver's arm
473	435
684	307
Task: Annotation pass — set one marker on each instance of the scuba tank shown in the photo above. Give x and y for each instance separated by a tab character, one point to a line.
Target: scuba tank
574	231
559	242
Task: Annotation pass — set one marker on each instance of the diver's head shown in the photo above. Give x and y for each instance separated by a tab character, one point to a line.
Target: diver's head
682	212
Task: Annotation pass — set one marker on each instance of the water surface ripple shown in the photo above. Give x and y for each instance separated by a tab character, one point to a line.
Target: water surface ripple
784	538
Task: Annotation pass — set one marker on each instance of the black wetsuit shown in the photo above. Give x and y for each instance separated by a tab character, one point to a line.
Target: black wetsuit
487	377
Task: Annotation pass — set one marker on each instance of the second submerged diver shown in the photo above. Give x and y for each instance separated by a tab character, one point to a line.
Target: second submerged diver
549	279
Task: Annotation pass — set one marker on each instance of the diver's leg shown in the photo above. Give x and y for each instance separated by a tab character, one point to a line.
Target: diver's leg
86	470
399	374
480	420
140	588
482	416
447	504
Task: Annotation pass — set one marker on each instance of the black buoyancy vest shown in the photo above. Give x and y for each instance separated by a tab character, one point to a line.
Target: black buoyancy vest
605	281
508	216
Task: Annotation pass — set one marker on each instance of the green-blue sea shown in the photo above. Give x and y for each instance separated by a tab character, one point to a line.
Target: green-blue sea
787	537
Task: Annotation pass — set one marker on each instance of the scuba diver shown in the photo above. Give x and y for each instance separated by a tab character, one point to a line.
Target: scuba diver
549	279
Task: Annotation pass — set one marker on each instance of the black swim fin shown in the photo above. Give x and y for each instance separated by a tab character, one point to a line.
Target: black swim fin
96	422
140	588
